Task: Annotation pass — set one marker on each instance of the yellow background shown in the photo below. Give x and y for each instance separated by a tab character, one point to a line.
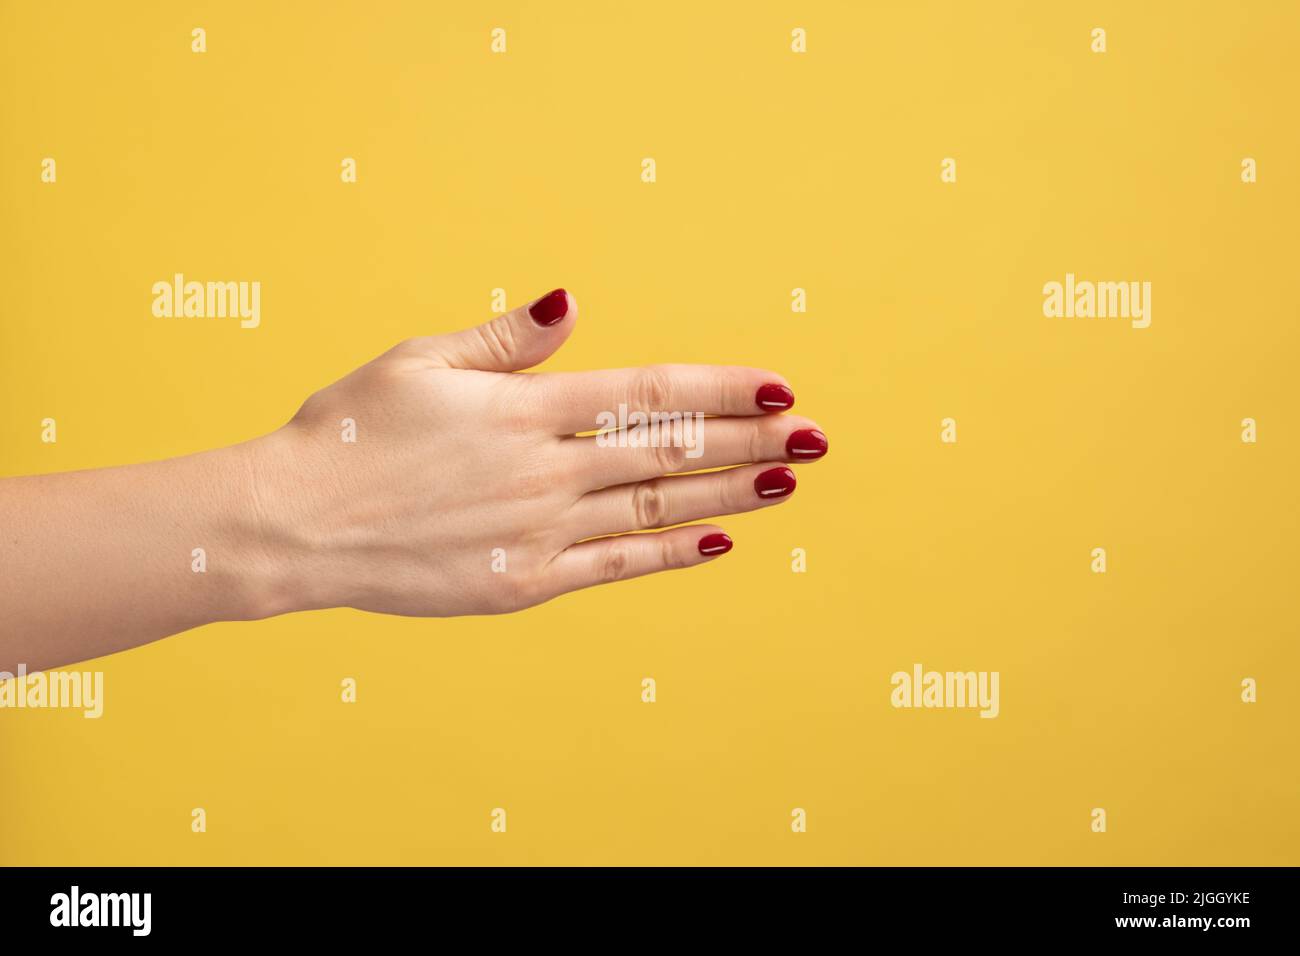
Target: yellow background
775	171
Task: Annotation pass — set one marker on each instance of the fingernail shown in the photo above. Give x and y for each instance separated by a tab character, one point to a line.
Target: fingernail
715	544
774	483
774	398
550	308
806	444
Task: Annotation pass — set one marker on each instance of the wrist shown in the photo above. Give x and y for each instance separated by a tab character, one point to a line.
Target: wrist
279	557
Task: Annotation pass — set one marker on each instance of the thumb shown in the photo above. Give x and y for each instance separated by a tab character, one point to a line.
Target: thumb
514	340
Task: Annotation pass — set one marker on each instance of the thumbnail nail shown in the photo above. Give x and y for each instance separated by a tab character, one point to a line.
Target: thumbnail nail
550	308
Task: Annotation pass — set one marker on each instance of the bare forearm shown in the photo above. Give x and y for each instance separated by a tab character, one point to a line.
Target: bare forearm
102	560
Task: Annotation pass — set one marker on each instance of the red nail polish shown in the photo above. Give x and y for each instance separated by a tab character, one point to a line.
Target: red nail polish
806	444
550	308
712	544
774	398
774	483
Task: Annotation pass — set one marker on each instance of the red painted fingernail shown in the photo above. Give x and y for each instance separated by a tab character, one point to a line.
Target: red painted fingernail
774	483
550	308
806	444
774	398
712	544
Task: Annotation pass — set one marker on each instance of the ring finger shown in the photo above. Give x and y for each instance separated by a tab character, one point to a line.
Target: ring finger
662	502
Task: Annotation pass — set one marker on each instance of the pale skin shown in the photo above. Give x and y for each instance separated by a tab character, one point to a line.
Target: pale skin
458	453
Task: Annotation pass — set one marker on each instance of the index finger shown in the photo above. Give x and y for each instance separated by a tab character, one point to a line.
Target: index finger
586	401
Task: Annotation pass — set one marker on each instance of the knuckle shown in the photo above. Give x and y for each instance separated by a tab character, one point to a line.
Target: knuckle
525	593
734	493
651	390
614	563
668	456
755	443
648	505
503	601
669	556
498	338
531	483
519	587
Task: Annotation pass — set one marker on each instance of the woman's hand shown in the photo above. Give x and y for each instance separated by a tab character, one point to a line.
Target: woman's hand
468	489
434	480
